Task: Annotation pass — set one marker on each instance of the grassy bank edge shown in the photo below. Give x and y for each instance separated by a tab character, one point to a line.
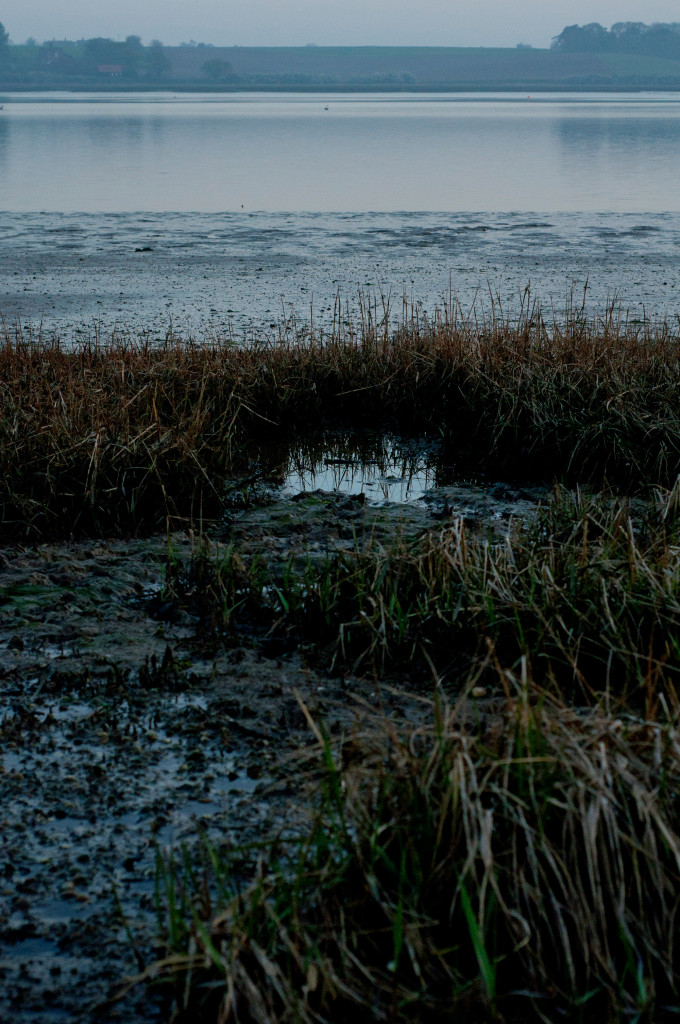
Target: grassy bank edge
126	436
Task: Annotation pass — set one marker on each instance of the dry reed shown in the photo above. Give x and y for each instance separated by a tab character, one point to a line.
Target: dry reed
518	864
122	436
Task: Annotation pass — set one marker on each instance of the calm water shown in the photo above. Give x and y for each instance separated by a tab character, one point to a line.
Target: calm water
213	213
97	154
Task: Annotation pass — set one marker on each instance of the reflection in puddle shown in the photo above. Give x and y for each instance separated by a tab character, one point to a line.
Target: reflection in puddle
54	651
419	474
383	469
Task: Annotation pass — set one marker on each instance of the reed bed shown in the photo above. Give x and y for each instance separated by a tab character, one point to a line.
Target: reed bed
521	863
511	852
126	435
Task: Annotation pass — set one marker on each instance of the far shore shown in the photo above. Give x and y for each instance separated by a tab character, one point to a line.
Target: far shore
538	88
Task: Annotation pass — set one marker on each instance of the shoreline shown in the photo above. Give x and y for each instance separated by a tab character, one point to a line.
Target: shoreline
321	88
239	274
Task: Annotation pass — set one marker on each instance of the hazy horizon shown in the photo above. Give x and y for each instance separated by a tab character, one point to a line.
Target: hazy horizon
299	22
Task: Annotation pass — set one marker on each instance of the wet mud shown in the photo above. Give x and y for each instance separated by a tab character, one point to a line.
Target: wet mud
124	732
202	275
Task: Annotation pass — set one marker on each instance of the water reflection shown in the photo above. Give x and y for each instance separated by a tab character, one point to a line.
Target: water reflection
583	138
416	153
382	468
4	139
616	161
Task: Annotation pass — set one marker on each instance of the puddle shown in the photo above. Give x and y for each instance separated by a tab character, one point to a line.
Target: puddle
392	470
58	911
386	470
34	948
54	651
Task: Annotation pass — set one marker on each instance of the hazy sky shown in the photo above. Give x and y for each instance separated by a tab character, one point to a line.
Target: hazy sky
334	22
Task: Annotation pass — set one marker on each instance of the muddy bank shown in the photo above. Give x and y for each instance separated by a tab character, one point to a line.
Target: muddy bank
120	733
125	729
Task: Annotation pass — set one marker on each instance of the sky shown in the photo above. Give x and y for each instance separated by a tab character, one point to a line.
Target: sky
329	23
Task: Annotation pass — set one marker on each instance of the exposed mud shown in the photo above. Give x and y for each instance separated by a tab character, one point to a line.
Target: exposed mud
123	732
206	274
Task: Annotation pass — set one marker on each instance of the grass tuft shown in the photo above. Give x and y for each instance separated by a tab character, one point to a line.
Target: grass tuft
517	864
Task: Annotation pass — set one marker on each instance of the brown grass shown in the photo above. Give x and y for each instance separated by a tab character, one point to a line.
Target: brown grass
124	435
520	863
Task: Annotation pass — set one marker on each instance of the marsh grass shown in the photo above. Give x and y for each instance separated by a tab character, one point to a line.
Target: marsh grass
521	862
126	435
509	850
590	591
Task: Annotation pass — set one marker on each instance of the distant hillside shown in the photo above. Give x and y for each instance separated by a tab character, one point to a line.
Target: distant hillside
424	66
103	64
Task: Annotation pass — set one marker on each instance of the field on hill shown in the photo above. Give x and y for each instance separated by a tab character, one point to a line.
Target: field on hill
370	67
425	66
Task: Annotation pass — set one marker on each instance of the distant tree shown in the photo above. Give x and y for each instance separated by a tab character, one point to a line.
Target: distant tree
592	38
133	42
218	70
103	52
659	41
4	36
31	41
624	28
157	62
52	62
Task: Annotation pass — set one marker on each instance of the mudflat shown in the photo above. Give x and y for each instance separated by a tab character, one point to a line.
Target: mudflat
220	274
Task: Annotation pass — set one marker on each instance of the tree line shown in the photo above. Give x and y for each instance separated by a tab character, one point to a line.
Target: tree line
661	39
92	59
